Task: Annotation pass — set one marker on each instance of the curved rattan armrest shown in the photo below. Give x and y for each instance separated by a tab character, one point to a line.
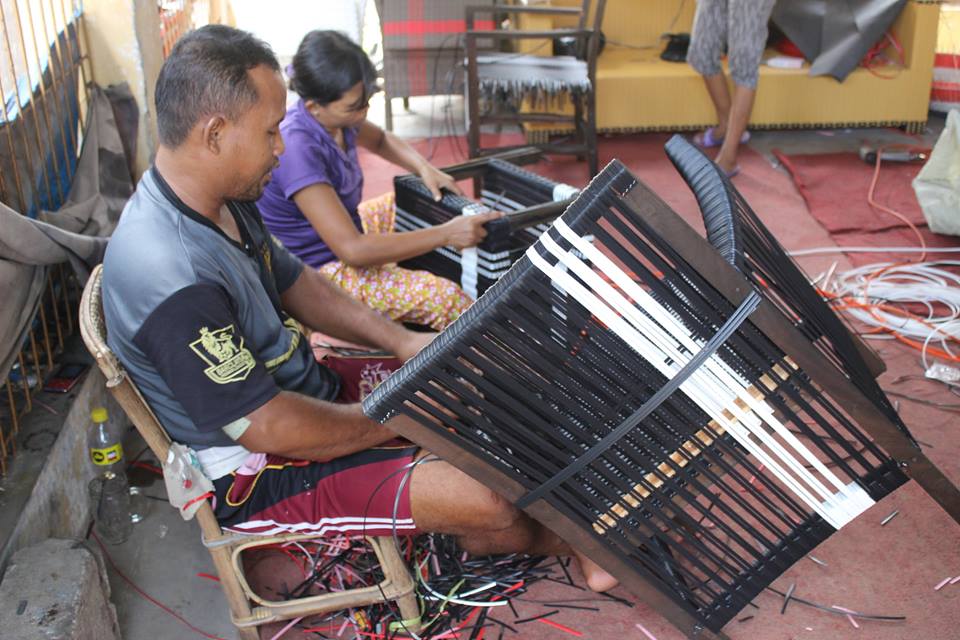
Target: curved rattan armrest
710	187
474	9
520	35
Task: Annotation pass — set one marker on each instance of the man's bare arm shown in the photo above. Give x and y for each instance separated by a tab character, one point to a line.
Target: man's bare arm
297	426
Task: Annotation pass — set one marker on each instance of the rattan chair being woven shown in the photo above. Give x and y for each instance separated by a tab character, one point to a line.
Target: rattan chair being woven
248	610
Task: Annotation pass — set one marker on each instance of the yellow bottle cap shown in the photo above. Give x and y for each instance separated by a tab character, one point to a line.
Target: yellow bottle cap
99	414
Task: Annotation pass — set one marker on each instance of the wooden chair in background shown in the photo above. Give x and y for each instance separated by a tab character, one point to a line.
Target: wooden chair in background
515	78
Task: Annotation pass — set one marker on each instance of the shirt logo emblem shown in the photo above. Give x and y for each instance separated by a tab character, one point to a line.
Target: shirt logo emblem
228	362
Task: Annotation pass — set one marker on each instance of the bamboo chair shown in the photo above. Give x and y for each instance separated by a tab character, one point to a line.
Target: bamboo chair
248	610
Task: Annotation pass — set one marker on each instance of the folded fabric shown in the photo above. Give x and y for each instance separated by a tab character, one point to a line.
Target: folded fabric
515	77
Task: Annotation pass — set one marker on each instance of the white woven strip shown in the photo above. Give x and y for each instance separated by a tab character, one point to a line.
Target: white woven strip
663	341
727	378
649	341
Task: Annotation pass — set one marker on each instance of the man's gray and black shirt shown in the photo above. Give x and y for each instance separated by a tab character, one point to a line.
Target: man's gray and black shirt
196	317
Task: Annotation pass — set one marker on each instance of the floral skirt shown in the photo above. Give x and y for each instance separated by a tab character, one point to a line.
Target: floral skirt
405	295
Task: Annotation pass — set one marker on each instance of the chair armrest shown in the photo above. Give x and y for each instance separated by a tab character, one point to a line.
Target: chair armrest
473	9
520	35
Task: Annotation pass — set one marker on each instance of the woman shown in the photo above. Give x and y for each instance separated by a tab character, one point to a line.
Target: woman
740	26
312	204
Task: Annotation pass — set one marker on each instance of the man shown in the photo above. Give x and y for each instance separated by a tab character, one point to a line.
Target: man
200	304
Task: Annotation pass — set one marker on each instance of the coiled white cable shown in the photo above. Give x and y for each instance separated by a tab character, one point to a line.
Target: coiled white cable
880	287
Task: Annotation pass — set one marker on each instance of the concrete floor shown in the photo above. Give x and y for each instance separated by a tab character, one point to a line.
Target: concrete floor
888	570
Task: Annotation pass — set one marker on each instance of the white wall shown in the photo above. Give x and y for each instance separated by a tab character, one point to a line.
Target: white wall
283	23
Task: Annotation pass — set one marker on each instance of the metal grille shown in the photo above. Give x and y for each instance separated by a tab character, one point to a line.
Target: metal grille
43	84
44	70
178	17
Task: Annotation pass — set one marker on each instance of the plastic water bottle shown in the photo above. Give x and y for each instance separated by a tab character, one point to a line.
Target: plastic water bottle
109	490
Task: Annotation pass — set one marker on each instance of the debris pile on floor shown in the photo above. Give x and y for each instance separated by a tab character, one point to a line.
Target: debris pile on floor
460	596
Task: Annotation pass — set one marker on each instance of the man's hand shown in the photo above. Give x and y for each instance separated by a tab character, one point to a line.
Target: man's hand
435	180
467	231
414	342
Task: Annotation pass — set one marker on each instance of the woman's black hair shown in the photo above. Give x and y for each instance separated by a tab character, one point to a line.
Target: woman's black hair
327	65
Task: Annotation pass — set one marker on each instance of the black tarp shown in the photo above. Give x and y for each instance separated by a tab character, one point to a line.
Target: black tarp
834	35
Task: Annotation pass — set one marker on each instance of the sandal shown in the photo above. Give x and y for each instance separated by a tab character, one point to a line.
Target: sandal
707	139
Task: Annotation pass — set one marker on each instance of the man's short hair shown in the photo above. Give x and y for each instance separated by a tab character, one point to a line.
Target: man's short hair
206	74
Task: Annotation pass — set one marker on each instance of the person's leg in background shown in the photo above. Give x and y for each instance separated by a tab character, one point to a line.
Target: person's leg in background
378	214
707	40
747	38
404	295
420	297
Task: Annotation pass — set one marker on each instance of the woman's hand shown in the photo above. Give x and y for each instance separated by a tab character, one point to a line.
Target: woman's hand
467	231
435	180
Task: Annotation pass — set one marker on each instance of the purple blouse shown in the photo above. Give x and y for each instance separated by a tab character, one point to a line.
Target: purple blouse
311	157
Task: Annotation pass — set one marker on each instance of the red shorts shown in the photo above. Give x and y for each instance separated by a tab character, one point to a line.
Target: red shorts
366	493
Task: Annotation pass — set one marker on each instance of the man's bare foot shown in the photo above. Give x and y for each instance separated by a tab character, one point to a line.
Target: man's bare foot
597	577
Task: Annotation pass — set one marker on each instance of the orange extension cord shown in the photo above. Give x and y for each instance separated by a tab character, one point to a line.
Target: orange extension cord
842	302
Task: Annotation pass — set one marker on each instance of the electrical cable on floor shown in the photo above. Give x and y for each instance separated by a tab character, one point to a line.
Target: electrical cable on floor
923	250
884	209
836	610
887	297
861	249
